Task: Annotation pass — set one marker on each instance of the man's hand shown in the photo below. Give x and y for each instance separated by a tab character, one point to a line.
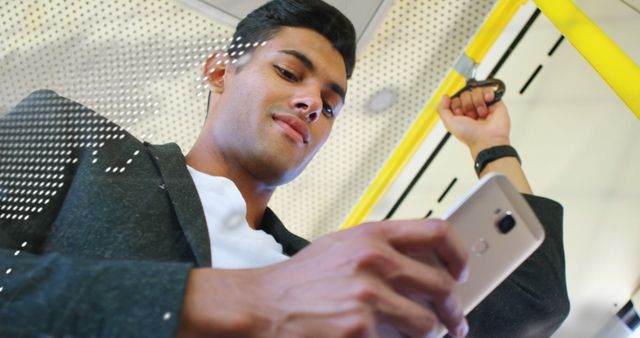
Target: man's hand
474	123
342	285
480	127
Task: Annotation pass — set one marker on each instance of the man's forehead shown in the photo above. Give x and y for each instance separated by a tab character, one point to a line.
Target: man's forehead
313	46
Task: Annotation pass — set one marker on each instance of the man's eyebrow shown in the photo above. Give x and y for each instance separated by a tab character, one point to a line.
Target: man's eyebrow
303	58
339	90
311	67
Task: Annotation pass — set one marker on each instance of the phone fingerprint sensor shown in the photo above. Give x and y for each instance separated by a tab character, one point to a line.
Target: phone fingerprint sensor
480	247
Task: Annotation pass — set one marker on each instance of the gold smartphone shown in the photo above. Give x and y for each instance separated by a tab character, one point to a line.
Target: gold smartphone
499	230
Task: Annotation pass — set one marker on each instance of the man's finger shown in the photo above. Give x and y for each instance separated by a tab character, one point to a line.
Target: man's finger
456	106
410	277
477	96
489	94
403	314
433	283
445	108
425	236
467	105
451	314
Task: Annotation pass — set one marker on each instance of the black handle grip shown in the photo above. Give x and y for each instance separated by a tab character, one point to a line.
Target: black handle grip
498	86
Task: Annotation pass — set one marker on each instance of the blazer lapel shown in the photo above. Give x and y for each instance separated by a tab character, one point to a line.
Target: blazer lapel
184	198
272	225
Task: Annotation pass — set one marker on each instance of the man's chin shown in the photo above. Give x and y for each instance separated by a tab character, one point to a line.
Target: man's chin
282	162
277	172
282	176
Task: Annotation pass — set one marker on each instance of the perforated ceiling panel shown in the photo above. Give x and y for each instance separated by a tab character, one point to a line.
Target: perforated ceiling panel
139	64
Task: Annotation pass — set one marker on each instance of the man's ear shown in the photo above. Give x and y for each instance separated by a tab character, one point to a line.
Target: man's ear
215	69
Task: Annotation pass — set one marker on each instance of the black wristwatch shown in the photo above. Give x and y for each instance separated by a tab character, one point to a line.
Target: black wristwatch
489	155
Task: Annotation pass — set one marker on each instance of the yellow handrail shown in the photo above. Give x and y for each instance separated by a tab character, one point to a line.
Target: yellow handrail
492	28
616	68
428	118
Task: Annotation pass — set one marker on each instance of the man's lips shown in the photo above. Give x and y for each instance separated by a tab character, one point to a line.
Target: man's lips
293	127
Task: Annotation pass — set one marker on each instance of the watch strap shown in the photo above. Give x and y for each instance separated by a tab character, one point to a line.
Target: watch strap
491	154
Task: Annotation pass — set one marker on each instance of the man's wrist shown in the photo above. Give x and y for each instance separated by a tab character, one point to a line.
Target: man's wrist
476	148
218	303
492	154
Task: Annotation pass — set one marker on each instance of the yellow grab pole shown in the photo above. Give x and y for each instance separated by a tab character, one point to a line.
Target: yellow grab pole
428	118
492	28
610	61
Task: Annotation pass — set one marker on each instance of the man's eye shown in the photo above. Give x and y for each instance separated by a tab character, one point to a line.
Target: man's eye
328	109
287	74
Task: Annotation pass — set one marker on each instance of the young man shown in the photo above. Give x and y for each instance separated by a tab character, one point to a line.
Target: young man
131	254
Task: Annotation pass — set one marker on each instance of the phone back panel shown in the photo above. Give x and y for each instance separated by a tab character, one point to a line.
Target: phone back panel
493	255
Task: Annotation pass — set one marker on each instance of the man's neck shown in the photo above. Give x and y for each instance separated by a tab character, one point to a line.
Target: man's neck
255	193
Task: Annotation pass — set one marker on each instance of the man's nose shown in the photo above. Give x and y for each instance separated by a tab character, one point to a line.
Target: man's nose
309	107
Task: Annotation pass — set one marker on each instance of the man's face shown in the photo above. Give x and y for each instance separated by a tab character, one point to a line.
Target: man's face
275	113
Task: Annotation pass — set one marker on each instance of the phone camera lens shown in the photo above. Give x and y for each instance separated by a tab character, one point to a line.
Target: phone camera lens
506	223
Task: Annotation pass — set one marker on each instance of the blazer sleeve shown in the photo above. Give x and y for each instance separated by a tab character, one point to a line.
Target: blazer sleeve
532	301
49	294
59	296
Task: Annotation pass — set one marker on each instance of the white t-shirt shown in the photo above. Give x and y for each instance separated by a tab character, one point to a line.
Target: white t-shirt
234	244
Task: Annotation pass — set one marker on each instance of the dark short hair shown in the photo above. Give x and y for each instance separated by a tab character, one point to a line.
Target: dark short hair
264	22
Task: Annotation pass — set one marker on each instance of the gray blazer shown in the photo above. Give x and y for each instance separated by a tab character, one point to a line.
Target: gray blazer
109	253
